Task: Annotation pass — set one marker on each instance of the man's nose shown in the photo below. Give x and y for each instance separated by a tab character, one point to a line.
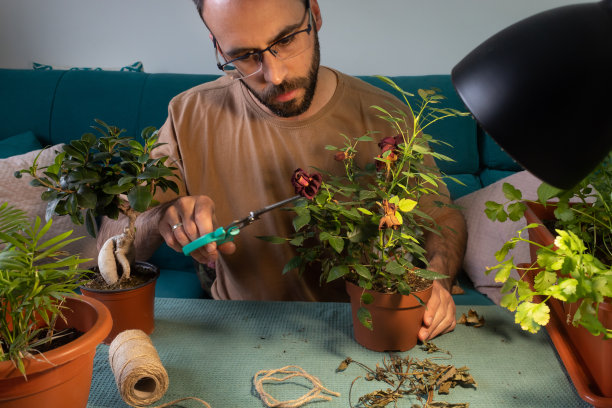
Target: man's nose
274	69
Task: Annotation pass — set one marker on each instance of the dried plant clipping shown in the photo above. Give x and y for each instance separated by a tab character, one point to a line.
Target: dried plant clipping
411	377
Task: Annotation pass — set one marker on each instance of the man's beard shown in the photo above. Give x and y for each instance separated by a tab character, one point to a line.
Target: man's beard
292	107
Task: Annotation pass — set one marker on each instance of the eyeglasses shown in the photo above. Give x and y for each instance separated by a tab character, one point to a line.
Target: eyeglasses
251	63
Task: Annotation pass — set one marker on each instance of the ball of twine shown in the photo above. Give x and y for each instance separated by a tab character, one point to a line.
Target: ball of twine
140	376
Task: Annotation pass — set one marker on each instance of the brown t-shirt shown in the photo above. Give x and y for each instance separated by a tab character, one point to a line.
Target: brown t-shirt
231	150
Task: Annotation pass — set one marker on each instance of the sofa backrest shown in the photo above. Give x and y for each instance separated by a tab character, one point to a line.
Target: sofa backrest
59	106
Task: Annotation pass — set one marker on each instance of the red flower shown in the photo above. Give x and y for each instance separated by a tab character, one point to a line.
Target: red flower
340	156
390	143
306	184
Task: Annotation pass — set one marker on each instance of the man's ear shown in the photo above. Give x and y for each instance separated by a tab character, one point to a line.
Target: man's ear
316	14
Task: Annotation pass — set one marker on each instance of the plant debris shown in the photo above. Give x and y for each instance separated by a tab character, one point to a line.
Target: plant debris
410	376
472	319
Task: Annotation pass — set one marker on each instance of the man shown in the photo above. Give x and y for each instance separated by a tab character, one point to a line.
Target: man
237	141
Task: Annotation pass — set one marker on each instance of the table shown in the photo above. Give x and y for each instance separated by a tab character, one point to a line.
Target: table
211	350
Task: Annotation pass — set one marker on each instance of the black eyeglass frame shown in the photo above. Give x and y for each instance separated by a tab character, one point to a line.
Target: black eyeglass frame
260	53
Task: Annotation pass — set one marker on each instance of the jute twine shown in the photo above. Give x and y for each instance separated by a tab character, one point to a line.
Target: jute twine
290	371
139	374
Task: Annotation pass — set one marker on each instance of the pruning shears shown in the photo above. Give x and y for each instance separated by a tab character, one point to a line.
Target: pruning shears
225	234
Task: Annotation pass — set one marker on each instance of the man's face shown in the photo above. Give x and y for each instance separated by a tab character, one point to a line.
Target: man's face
285	87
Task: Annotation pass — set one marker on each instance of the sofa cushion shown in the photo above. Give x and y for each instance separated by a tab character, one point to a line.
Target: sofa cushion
26	101
18	144
486	237
19	193
83	96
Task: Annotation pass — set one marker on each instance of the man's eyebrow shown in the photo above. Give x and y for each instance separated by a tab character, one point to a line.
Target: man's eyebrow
236	52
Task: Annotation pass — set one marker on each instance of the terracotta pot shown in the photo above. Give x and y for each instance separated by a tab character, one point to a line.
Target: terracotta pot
63	377
587	358
132	308
396	319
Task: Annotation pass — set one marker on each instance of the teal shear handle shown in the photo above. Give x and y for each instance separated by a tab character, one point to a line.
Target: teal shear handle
220	236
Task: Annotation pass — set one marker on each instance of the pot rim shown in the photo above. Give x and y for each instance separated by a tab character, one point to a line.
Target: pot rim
82	345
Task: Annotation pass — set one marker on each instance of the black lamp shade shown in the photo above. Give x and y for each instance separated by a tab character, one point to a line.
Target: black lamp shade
542	88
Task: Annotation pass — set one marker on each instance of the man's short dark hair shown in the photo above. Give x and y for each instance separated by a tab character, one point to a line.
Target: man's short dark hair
200	7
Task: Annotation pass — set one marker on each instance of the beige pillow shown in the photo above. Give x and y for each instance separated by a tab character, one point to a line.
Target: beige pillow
19	193
486	237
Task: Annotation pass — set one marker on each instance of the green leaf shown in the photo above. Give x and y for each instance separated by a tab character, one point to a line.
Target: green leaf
495	211
365	317
337	272
509	301
544	280
337	243
429	274
362	271
546	192
367	298
295	262
117	189
366	212
516	211
395	268
504	272
301	220
511	193
140	198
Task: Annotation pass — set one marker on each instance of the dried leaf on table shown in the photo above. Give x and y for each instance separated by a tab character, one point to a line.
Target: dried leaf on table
472	319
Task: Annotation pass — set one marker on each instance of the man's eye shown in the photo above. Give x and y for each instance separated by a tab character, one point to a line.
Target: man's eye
283	42
250	57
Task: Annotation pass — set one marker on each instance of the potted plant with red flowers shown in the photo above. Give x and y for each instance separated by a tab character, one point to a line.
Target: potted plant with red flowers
567	286
48	334
366	226
107	176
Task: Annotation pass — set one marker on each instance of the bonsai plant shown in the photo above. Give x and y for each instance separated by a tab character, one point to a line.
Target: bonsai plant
366	226
569	281
106	176
41	316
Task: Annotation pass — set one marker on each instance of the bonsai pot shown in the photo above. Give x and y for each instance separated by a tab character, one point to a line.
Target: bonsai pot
61	377
587	358
131	308
396	319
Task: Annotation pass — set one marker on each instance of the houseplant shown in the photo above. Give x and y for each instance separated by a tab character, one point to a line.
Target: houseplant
568	284
48	334
107	176
366	226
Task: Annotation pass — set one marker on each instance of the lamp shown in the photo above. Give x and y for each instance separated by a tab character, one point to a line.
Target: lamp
542	88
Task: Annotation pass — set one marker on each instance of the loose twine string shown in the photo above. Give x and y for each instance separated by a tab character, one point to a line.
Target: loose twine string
139	374
291	371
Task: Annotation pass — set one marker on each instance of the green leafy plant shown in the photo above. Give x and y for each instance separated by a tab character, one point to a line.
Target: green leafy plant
576	268
105	176
35	278
366	225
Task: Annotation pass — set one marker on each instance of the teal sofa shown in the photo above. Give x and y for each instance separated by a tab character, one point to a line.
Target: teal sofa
59	106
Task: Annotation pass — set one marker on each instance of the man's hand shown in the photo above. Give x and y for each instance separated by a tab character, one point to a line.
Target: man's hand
194	217
439	316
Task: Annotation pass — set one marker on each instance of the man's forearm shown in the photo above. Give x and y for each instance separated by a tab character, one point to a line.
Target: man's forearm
148	238
445	250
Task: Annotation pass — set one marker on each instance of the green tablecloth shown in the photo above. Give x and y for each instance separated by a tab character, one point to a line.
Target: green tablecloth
212	349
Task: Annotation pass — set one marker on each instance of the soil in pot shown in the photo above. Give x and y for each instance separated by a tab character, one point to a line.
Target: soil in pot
396	318
130	307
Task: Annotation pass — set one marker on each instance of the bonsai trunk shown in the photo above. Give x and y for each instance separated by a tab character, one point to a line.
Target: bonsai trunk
118	253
